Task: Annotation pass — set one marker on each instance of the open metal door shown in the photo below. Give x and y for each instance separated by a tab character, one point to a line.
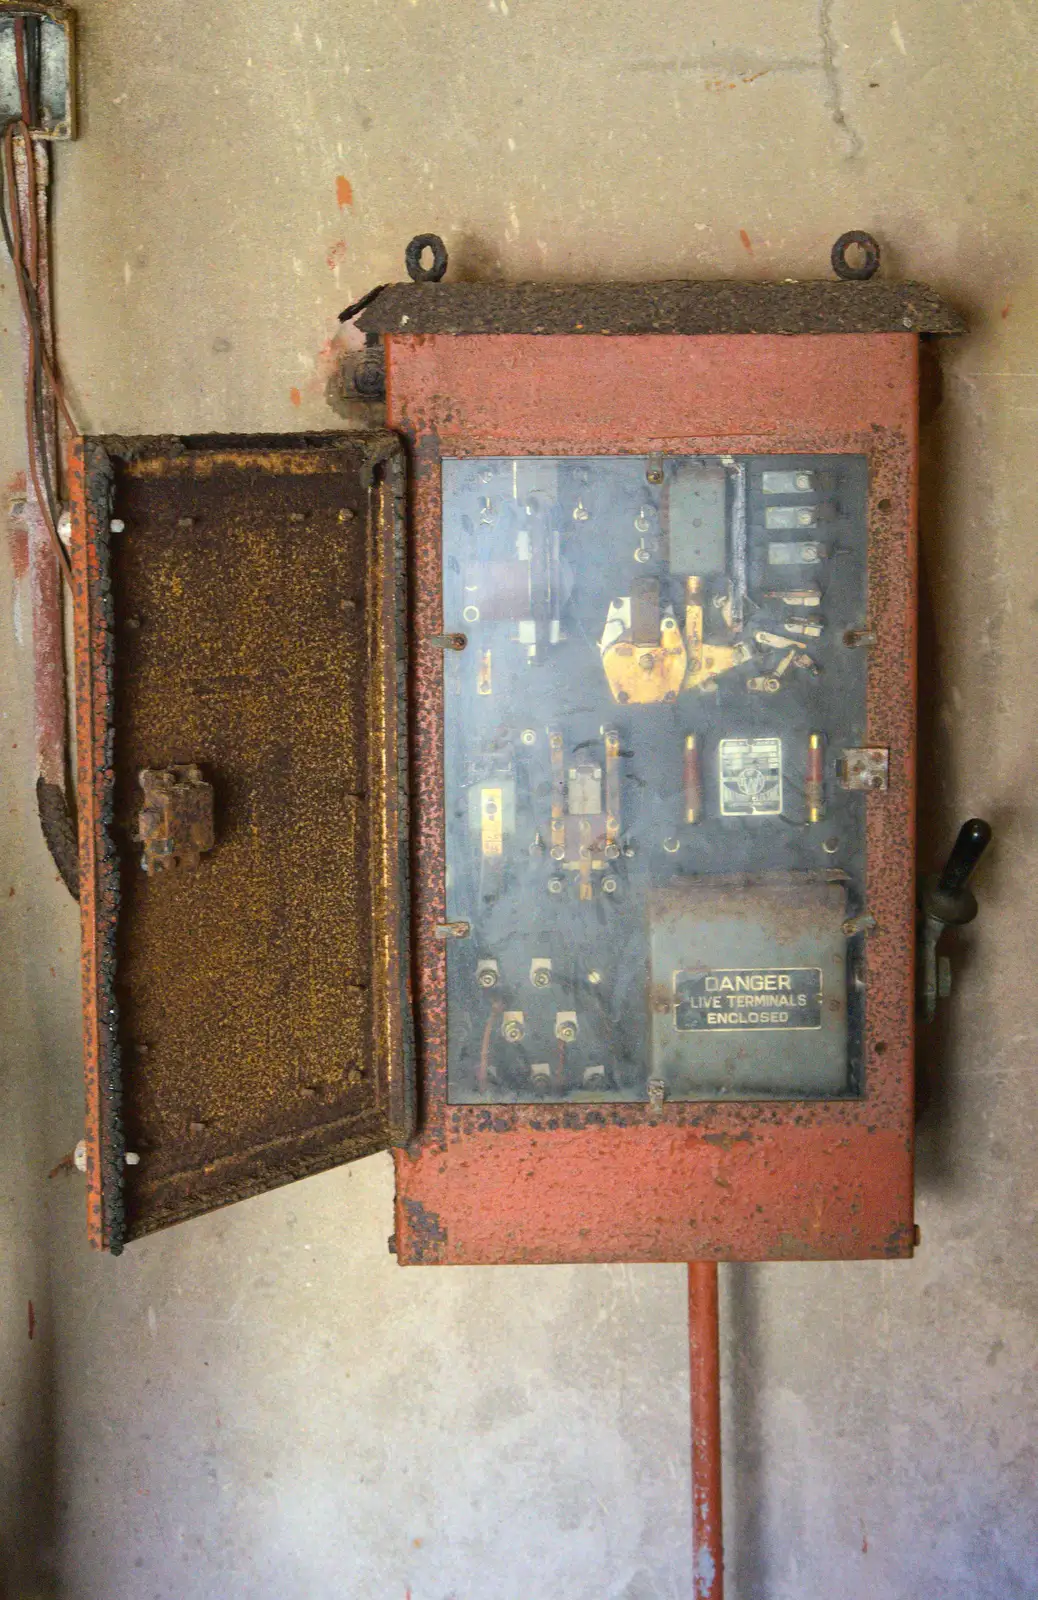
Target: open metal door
241	725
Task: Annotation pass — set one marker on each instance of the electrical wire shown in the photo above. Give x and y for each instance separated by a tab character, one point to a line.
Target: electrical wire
42	373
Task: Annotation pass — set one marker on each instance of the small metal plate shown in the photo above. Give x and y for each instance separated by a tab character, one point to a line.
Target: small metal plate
239	612
865	769
749	987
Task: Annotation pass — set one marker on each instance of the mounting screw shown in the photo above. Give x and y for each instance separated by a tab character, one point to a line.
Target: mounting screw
486	978
513	1030
609	885
529	736
555	885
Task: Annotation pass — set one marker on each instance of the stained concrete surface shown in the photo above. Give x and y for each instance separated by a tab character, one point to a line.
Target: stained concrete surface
261	1403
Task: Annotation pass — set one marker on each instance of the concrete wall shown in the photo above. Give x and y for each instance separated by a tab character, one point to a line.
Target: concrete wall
262	1404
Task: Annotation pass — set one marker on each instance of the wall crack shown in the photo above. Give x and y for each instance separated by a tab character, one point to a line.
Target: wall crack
833	82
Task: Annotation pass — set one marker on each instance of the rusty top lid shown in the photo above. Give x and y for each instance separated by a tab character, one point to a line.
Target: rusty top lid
675	307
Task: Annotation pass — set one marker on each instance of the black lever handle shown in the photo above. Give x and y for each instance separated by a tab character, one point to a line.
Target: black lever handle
973	839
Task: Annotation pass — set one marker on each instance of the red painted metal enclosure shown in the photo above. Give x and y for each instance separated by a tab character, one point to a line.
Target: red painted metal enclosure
704	1180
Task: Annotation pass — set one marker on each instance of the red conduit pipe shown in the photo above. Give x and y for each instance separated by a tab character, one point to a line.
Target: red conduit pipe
705	1390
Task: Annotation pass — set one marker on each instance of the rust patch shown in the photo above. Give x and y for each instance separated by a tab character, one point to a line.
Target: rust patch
425	1232
727	1141
747	243
343	192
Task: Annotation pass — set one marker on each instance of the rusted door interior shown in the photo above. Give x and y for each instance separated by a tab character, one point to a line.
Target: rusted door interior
241	643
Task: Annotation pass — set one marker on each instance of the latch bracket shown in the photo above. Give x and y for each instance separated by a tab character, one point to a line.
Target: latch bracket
175	824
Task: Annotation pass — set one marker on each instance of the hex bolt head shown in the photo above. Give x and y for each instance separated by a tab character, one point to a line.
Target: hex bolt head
558	852
487	978
513	1031
566	1031
645	662
609	885
541	978
554	885
528	736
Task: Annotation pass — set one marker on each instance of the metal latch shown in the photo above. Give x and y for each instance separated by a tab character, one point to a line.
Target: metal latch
175	824
37	44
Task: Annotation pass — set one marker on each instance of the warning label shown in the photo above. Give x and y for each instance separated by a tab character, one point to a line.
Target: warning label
751	777
748	997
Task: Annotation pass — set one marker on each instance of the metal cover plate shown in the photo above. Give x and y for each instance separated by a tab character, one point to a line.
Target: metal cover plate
749	985
239	608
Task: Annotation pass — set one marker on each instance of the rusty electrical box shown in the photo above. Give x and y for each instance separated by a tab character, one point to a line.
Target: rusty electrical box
646	701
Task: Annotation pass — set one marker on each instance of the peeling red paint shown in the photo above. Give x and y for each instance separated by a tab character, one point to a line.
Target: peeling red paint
343	192
18	528
337	253
1006	309
18	540
747	244
295	397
